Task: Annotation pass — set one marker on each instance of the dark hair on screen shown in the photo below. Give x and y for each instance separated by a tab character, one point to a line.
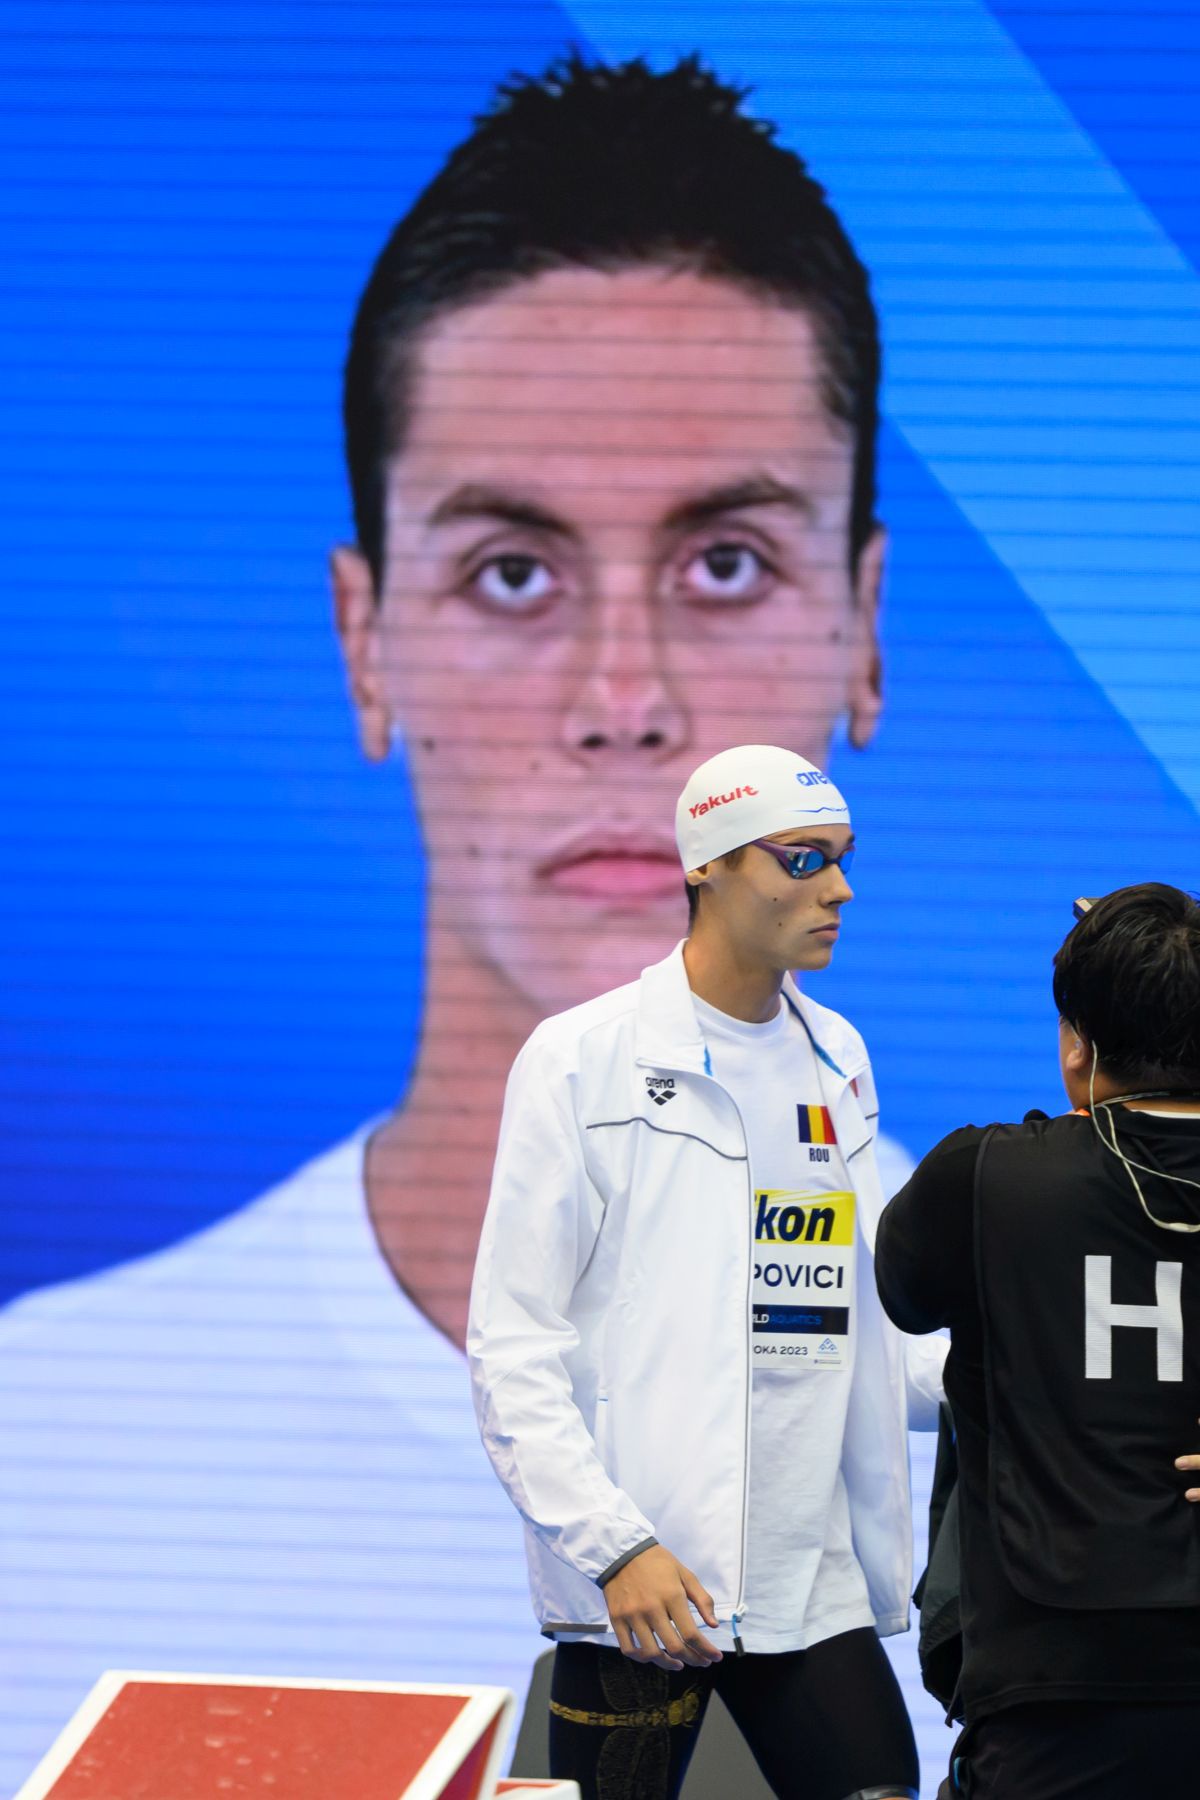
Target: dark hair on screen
1128	978
608	167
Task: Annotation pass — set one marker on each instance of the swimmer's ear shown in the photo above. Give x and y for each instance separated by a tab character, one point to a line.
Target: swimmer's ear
865	688
356	617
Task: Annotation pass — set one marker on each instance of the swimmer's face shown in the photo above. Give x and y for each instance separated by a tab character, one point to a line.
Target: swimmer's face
617	543
768	918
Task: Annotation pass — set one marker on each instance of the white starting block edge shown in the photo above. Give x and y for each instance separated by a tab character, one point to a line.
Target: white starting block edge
484	1704
537	1788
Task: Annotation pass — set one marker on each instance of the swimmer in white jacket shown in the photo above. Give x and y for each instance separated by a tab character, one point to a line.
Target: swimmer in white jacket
682	1373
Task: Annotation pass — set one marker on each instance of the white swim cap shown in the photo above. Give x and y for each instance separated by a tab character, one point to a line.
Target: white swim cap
747	793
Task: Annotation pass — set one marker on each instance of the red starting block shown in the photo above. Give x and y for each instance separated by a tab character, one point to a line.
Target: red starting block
245	1737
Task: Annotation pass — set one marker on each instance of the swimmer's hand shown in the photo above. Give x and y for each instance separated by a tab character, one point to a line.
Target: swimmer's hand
648	1605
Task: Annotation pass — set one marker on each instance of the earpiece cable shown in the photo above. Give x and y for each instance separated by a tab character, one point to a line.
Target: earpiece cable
1126	1162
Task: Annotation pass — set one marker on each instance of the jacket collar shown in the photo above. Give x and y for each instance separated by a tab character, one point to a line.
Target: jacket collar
668	1033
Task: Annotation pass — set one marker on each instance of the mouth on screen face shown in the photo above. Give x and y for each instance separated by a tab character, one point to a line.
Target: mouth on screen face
622	869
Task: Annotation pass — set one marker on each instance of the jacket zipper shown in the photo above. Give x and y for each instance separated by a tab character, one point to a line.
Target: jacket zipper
739	1610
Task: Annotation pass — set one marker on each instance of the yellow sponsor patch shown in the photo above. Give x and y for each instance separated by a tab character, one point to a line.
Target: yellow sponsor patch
782	1217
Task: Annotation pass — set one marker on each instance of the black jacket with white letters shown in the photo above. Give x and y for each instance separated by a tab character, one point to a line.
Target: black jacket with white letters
1074	1376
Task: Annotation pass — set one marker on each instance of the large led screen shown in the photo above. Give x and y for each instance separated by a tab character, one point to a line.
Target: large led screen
316	798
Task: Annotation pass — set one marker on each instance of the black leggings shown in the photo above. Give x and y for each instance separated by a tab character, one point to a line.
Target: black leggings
820	1723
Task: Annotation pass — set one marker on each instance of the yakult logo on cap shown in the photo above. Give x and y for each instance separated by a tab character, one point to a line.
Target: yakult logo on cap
739	793
750	791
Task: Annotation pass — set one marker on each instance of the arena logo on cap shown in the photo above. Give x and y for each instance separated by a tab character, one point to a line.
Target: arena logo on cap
812	778
739	793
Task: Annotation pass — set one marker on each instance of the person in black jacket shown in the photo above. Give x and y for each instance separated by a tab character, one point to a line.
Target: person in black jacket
1064	1255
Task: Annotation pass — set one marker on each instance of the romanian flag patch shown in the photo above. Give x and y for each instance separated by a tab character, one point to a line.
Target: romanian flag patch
816	1126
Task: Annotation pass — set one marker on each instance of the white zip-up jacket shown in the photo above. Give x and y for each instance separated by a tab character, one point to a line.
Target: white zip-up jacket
610	1333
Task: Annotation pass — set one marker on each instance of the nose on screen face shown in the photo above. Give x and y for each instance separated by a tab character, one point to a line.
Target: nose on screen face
625	707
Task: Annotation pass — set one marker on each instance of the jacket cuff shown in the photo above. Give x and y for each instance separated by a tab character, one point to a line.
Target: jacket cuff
615	1568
